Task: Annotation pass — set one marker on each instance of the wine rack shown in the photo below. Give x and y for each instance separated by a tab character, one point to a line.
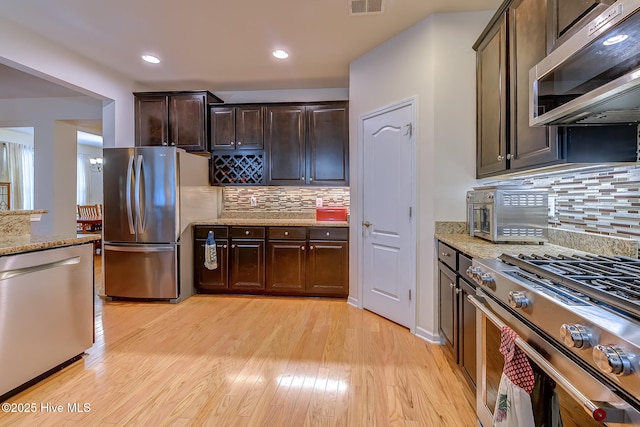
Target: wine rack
234	168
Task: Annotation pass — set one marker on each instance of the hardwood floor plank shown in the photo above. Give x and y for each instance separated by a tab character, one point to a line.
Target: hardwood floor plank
252	361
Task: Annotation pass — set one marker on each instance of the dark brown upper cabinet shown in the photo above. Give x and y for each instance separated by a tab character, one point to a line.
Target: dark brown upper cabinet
237	127
514	41
177	119
566	17
307	144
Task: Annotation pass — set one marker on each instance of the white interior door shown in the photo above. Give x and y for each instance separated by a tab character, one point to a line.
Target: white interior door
389	264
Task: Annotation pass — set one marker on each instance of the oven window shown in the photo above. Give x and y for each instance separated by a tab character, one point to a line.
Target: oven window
482	219
571	412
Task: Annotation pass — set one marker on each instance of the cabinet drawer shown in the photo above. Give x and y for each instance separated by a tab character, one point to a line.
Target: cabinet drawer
247	232
328	233
464	262
447	255
219	231
287	233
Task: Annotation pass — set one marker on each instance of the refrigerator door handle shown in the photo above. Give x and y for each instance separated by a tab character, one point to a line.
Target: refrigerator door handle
140	215
129	212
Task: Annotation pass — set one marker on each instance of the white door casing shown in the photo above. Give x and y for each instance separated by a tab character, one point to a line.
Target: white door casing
388	262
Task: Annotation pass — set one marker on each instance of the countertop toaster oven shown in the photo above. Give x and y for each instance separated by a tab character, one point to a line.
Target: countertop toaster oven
508	213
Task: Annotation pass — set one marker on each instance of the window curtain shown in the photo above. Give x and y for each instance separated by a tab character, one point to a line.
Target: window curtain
17	167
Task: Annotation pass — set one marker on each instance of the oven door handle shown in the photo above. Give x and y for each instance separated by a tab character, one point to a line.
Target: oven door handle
601	411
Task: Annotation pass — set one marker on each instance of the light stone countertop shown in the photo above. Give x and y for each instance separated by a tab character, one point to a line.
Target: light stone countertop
480	248
23	212
19	244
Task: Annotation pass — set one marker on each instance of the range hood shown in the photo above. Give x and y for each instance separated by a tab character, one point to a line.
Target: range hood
594	77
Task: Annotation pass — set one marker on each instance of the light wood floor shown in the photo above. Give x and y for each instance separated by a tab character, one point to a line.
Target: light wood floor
252	361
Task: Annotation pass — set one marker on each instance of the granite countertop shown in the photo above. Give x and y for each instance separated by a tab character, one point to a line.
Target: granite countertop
23	212
18	244
265	222
480	248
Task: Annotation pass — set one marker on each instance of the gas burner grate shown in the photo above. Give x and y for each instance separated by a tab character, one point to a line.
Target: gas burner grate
613	281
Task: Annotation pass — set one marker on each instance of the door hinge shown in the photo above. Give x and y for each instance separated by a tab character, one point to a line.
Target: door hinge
409	294
409	131
410	211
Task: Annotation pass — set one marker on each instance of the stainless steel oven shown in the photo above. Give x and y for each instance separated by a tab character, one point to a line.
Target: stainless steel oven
571	345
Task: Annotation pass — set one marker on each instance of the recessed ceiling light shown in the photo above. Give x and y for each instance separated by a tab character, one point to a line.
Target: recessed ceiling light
151	59
615	39
280	54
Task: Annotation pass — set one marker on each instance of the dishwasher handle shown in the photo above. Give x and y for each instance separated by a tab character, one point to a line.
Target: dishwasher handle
7	274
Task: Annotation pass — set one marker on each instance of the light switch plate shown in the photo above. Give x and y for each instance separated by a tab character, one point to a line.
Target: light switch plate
318	202
254	202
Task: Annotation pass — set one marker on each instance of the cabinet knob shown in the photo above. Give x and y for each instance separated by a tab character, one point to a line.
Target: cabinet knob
239	143
302	178
233	246
310	179
246	232
302	248
173	143
310	247
328	234
224	246
164	143
286	233
452	285
500	158
510	156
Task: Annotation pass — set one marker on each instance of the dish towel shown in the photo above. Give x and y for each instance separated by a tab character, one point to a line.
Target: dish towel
210	253
513	406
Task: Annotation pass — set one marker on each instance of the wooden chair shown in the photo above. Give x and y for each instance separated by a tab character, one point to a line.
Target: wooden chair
92	212
89	211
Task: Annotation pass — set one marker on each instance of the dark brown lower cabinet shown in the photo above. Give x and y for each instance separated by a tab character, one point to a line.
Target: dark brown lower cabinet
290	261
246	259
217	279
457	315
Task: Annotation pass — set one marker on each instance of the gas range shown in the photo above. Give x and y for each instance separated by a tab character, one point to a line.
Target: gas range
588	307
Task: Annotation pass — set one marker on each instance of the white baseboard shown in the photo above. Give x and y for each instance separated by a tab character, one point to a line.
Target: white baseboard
427	336
353	301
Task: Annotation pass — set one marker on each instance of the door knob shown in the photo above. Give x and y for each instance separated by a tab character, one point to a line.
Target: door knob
366	224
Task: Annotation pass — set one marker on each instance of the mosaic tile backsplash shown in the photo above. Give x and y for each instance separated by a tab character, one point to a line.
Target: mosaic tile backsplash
283	199
603	201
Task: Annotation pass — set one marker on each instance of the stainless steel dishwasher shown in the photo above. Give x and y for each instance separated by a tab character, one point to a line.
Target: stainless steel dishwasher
46	313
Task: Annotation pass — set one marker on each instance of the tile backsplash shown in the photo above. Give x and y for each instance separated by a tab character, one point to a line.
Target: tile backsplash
283	199
603	201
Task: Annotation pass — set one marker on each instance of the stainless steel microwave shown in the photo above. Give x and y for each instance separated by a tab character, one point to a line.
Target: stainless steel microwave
508	213
594	76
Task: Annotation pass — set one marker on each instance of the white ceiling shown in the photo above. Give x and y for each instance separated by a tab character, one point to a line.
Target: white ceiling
219	45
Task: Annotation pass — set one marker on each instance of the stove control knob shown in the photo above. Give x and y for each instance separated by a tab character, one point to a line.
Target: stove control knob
612	360
474	272
486	280
575	336
518	299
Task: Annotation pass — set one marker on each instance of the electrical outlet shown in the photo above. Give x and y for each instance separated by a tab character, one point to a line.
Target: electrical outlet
318	202
254	202
552	206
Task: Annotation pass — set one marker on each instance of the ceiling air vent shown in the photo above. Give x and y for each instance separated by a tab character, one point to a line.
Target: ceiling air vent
362	7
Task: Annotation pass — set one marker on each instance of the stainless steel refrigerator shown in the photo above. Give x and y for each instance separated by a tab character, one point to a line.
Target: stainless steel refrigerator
150	196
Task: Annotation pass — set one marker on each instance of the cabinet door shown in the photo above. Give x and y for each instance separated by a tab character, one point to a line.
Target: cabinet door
246	265
328	144
249	127
286	266
566	17
447	306
467	330
491	68
530	146
328	268
187	122
152	121
285	145
211	280
223	134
